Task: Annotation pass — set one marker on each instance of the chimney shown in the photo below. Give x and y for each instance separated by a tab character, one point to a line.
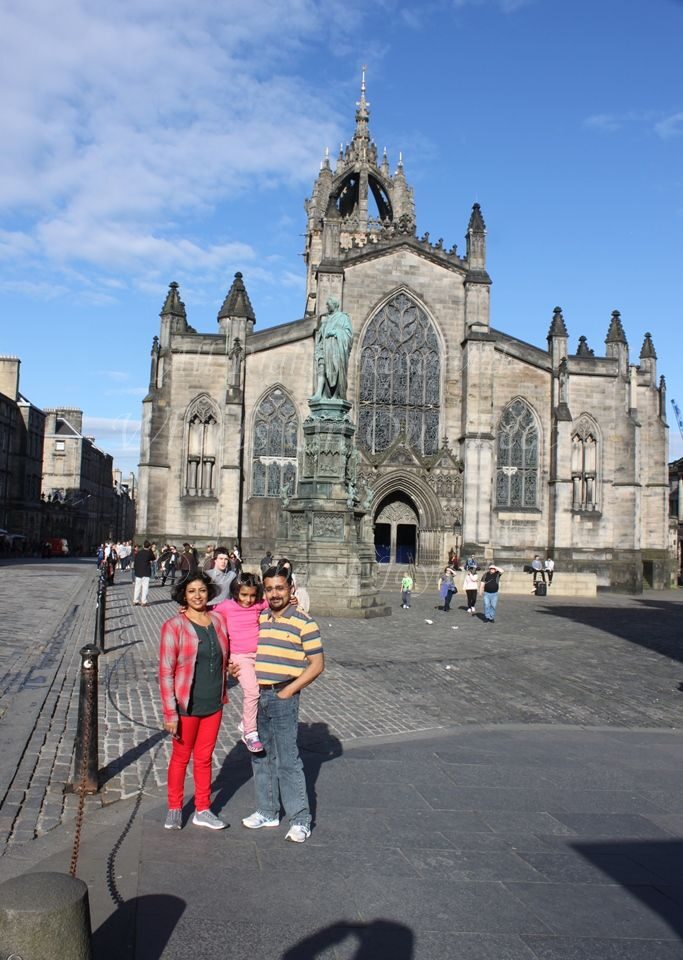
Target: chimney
9	376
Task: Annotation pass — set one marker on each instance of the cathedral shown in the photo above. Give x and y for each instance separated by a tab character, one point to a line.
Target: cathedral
466	437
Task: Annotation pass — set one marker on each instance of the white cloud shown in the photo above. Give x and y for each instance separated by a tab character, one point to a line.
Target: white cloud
121	123
671	126
604	122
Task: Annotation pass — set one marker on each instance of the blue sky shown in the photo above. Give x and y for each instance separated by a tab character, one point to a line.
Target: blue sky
146	141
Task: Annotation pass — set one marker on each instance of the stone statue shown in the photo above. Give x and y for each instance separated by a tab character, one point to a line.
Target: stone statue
333	340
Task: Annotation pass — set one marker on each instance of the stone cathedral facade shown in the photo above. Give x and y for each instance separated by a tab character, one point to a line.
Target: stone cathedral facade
466	437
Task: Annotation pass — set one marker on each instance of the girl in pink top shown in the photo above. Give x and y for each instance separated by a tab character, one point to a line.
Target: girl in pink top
241	616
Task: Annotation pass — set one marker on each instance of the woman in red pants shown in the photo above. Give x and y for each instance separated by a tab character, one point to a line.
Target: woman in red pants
193	665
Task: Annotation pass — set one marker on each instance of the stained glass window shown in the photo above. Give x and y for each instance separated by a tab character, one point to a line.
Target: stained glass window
201	444
400	379
276	433
517	457
585	465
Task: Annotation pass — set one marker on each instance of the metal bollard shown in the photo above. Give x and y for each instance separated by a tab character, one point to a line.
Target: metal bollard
101	612
86	747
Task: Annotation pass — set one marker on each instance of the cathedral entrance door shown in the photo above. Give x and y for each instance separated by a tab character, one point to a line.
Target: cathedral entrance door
383	542
396	530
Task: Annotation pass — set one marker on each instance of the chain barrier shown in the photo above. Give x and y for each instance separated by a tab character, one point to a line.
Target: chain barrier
87	718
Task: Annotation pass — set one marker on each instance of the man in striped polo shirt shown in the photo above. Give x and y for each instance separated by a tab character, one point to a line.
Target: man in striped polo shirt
289	657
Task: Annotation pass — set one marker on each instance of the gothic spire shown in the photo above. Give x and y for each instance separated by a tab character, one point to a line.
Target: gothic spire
237	302
476	224
359	147
173	305
648	348
583	349
558	328
616	334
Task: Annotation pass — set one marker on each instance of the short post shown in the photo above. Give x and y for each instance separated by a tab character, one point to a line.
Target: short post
86	765
45	915
101	612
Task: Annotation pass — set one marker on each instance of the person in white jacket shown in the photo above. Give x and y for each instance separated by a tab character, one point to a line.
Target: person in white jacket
470	585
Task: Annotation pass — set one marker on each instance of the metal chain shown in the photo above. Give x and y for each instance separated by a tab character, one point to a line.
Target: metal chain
87	715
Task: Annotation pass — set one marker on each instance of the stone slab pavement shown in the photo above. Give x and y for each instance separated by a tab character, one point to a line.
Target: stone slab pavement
508	790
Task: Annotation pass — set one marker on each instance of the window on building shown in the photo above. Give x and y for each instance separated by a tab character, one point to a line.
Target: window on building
60	446
400	379
517	457
201	443
276	432
585	465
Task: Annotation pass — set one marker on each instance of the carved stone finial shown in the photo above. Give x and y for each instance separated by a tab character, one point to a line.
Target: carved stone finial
558	327
616	334
648	349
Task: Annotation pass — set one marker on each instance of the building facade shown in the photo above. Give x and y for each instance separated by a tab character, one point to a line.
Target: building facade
21	460
466	437
82	504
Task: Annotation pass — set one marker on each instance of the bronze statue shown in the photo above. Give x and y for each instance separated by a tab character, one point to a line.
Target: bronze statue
333	340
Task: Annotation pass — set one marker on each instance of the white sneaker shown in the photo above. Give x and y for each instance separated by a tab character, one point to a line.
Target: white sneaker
205	818
298	833
257	820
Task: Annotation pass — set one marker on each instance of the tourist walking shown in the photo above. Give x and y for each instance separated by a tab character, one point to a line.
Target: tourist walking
171	566
142	569
406	587
289	657
193	664
470	585
447	587
489	587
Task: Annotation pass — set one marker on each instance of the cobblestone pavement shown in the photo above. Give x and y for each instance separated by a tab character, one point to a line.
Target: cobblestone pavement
609	662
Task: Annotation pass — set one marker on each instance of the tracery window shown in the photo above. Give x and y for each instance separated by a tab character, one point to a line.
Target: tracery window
517	457
276	432
201	443
585	465
400	379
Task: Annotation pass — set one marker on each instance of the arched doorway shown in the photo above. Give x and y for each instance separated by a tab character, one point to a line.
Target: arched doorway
396	530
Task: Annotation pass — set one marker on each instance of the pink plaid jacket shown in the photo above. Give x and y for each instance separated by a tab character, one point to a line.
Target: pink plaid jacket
177	658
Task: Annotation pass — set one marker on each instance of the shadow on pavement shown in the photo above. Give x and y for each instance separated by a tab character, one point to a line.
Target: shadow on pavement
130	756
377	940
660	889
141	927
317	746
656	625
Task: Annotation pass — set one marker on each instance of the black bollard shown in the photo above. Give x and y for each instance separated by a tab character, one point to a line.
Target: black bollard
86	746
101	612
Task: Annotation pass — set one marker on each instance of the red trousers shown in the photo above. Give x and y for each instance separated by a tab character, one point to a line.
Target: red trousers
196	737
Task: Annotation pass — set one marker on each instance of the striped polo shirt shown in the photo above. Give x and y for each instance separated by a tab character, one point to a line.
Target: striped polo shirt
284	645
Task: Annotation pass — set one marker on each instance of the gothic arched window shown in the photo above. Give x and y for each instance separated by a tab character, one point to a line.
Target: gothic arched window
276	433
400	379
585	465
201	445
517	457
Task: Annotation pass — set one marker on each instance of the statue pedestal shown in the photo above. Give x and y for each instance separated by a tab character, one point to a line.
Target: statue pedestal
323	529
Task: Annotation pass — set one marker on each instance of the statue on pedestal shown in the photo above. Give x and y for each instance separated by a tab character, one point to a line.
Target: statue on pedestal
333	340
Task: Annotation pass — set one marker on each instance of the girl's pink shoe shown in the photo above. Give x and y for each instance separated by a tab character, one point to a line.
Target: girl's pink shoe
252	743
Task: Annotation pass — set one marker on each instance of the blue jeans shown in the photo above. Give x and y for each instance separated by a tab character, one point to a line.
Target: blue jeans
405	597
490	604
279	770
